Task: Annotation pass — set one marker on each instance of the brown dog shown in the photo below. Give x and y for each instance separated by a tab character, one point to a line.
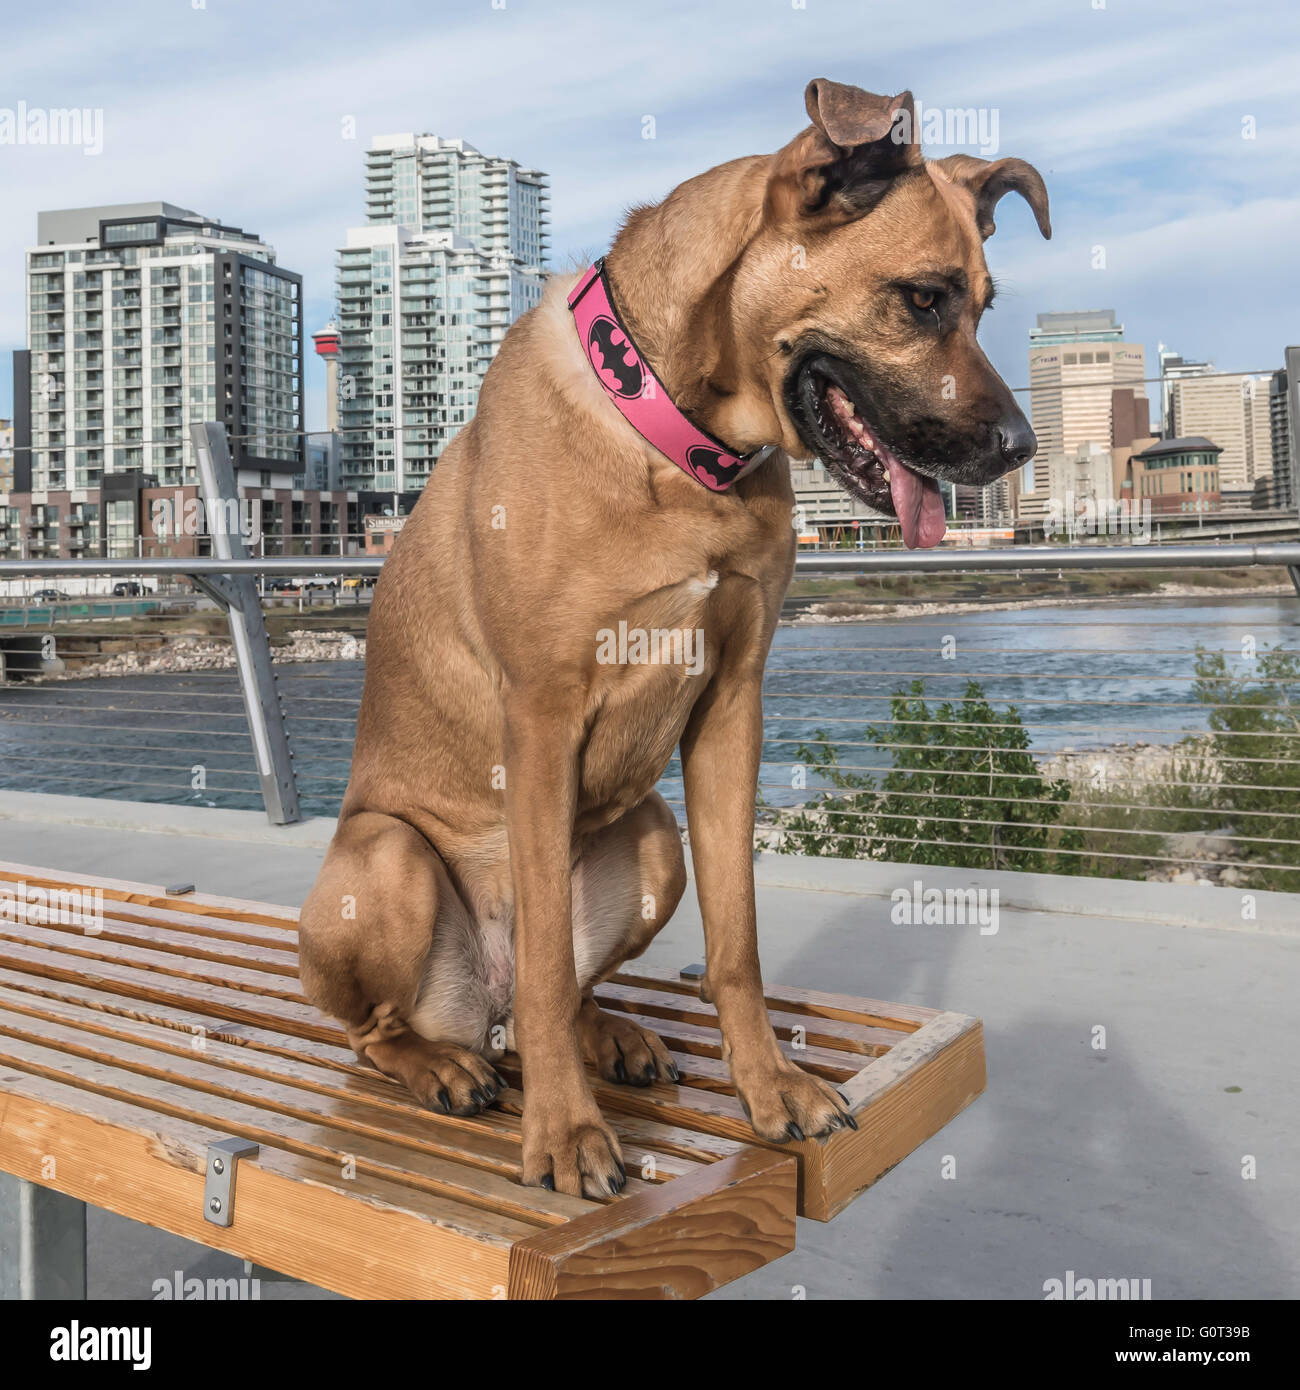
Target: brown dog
501	847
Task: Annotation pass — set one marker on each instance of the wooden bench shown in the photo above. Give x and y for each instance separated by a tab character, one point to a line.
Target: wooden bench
133	1040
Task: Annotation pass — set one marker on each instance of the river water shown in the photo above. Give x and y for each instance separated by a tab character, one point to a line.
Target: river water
1081	676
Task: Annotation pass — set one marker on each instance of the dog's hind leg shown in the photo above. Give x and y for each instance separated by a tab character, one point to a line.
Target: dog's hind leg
626	885
382	919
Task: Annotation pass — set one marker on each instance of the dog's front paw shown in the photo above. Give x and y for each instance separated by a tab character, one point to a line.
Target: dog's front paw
572	1151
784	1102
623	1051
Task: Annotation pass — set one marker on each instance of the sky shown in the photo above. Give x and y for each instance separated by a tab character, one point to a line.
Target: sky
1168	131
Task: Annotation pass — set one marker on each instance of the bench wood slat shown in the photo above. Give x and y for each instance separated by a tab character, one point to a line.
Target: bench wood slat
830	1033
77	944
677	1241
906	1018
643	1136
63	1058
196	904
377	1106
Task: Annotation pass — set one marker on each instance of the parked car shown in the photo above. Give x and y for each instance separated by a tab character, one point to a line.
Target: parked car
127	588
358	581
319	581
50	596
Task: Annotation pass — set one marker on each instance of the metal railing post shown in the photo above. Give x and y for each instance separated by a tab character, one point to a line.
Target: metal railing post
237	594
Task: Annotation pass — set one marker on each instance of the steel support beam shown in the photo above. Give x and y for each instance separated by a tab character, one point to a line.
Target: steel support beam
42	1242
237	593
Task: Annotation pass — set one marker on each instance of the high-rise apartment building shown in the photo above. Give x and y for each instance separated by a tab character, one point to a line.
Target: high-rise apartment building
1233	411
430	185
1076	361
451	255
143	318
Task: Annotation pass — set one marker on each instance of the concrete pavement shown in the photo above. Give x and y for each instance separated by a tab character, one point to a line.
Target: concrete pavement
1141	1119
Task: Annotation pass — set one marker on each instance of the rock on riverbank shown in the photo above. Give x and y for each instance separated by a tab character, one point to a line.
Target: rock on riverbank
190	653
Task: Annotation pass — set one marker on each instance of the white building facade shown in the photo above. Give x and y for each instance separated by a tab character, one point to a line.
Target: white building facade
452	254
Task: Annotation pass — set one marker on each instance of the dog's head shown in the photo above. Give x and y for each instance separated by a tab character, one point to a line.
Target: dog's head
871	266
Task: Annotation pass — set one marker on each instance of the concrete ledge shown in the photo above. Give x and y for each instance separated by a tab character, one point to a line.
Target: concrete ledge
1174	904
1183	905
160	818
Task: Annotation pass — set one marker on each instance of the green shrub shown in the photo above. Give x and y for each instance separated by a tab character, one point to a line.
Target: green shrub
1255	735
961	776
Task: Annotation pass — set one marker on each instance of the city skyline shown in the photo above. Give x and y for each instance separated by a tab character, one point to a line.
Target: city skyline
1149	173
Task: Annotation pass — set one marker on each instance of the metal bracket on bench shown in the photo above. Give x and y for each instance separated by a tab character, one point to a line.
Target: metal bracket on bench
219	1180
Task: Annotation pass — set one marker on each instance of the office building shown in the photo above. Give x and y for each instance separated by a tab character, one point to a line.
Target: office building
452	253
1086	475
1076	361
1175	367
1178	477
143	318
1234	412
991	505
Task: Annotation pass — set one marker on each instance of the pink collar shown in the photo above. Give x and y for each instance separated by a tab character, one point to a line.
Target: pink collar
639	395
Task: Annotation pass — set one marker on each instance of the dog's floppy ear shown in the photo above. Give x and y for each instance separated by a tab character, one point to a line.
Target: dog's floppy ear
843	164
988	180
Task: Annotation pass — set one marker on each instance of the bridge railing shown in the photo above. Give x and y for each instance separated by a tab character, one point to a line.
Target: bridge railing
1125	744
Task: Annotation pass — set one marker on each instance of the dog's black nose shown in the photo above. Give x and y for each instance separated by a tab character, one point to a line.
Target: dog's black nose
1018	441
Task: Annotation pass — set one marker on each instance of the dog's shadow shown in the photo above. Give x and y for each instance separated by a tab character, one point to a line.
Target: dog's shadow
1120	1161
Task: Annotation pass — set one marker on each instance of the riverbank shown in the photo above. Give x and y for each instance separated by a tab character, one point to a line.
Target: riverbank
176	655
850	610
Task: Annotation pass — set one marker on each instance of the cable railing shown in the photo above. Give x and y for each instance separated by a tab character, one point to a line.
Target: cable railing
1040	738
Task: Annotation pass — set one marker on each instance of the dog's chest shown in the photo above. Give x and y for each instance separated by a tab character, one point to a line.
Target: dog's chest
652	663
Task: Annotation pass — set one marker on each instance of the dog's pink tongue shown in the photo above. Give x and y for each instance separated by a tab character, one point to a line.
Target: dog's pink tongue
919	505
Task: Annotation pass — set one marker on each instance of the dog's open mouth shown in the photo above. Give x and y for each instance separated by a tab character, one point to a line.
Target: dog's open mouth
837	430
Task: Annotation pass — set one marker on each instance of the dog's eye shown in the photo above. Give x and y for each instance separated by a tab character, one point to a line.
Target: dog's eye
925	300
